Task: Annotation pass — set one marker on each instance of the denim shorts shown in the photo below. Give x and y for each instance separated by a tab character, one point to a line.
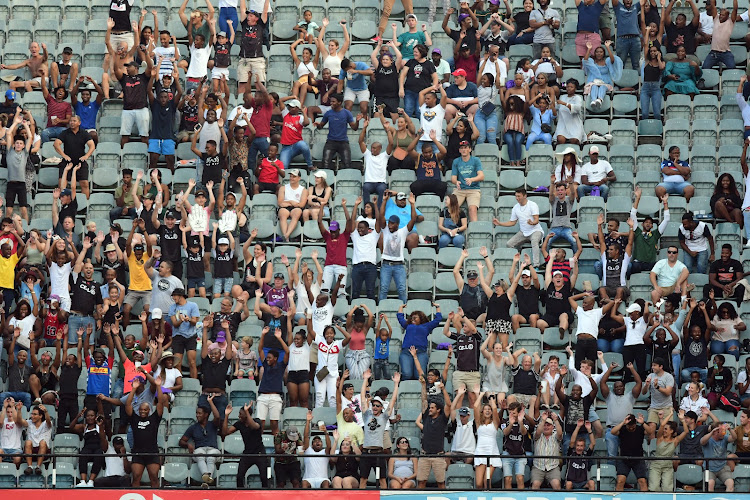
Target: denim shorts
513	466
675	187
223	285
196	283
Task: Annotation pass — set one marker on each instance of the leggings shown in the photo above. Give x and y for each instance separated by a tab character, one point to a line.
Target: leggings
97	461
635	354
228	13
514	140
244	466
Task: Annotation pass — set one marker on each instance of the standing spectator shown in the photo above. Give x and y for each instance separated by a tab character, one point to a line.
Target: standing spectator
364	256
619	403
558	312
183	316
333	53
291	199
337	141
16	157
547	439
252	437
467	24
660	383
628	43
431	112
254	30
467	342
335	267
135	98
653	70
274	366
543	21
433	422
472	297
86	298
86	109
466	174
163	113
416	330
526	213
385	76
595	174
679	33
418	74
561	207
59	110
295	120
375	415
570	117
375	164
407	40
71	145
427	166
631	433
588	36
402	209
316	466
695	240
394	240
204	433
286	467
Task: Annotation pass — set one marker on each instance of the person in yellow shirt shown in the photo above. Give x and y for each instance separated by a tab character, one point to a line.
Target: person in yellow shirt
140	284
8	262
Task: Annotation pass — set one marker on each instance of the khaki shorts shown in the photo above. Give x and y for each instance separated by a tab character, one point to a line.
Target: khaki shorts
653	414
256	64
472	196
667	290
605	21
524	399
437	465
269	406
133	296
538	475
724	474
128	38
387	441
469	379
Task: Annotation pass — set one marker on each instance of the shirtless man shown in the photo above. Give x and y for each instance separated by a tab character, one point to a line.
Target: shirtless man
34	63
120	51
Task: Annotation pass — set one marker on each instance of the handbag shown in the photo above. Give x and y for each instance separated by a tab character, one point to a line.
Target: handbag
322	374
488	108
546	128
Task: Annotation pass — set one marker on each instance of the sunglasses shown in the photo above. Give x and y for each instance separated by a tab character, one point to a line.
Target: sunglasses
671	252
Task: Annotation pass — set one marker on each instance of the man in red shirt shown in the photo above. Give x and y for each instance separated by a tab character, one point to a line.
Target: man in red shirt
295	119
270	171
261	120
58	111
336	243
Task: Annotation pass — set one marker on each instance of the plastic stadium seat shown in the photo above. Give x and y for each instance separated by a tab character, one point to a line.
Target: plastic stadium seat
690	474
649	157
705	107
679	106
623	132
730	131
624	105
590	206
622	157
459	477
677	130
175	473
294	416
730	80
429	204
510	180
47	30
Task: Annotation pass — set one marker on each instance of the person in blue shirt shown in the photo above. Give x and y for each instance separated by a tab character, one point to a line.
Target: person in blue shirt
402	209
183	316
628	14
337	141
354	74
466	174
416	330
85	109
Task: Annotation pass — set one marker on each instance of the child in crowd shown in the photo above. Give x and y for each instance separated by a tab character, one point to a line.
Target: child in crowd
246	360
270	171
380	368
307	27
223	253
193	245
222	59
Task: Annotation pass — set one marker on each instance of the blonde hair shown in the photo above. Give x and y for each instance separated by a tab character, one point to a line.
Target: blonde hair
248	340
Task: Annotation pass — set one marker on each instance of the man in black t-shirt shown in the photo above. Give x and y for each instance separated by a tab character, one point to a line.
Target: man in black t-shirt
252	436
215	161
161	141
723	275
631	434
577	475
433	422
233	318
558	292
254	27
215	371
86	296
527	296
467	23
71	144
525	377
134	94
145	426
680	33
468	340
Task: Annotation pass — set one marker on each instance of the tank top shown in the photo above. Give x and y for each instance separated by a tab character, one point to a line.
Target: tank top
91	438
306	69
498	307
665	449
357	341
403	468
291	194
651	73
347	466
34	257
48	380
495	379
332	62
63	68
403	142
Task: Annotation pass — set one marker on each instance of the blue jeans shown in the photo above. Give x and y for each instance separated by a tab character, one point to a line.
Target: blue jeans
457	241
288	153
697	264
565	233
610	345
685	374
116	213
220	401
597	92
24	397
731	347
373	187
533	137
366	272
525	39
514	140
651	94
51	133
613	444
411	103
398	273
714	58
408	370
228	13
118	388
259	145
76	322
629	46
487	127
585	190
746	219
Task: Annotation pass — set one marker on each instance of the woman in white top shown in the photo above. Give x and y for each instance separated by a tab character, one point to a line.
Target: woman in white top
39	438
547	64
726	327
636	324
332	53
694	401
292	198
300	283
488	422
24	319
298	375
568	170
171	377
570	115
318	196
369	214
307	66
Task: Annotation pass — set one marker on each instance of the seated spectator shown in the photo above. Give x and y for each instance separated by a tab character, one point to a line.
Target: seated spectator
452	223
472	298
646	238
19	370
526	213
402	467
36	63
696	240
548	65
292	198
547	437
59	111
726	202
602	71
682	75
124	201
326	85
543	113
462	96
680	32
719	382
675	173
724	276
720	36
459	130
429	179
204	435
399	138
295	119
714	445
524	33
726	326
570	115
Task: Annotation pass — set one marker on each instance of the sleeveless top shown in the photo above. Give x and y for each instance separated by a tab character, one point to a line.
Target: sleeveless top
291	194
34	257
665	449
91	439
495	378
48	380
306	69
332	62
403	468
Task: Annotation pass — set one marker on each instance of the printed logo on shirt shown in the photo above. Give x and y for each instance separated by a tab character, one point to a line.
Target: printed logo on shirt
429	115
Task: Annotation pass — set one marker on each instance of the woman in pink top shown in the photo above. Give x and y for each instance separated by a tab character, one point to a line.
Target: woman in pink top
357	358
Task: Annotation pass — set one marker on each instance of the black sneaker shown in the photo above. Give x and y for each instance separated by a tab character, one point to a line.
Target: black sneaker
28	471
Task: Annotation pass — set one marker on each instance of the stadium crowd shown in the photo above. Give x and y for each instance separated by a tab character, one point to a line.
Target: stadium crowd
242	280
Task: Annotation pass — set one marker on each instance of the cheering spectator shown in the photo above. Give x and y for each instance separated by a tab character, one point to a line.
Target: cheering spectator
631	433
547	439
526	213
696	240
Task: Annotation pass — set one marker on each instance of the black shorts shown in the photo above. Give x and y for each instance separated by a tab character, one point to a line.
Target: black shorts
288	472
83	172
367	463
181	344
391	104
267	187
16	189
298	377
744	458
550	319
146	460
623	468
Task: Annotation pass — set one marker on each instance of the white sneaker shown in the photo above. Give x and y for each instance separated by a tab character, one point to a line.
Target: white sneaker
82	484
599	102
747	245
607	137
90	483
594	137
